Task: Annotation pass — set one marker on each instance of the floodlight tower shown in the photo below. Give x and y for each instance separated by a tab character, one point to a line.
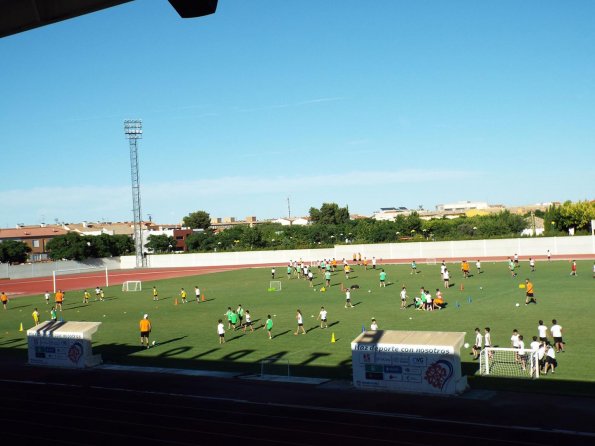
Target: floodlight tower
133	129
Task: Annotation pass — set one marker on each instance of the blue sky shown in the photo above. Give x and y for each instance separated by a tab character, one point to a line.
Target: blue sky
366	104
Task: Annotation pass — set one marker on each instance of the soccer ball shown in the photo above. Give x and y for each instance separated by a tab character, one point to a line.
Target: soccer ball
369	291
518	304
153	343
466	345
481	288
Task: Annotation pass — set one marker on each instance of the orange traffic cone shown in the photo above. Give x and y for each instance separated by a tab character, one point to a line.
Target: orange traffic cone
462	287
176	301
202	297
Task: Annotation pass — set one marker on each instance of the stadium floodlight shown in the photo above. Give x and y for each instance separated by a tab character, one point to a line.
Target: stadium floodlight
133	129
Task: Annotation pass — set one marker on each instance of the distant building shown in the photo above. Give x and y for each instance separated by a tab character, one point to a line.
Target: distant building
36	237
390	213
298	221
462	206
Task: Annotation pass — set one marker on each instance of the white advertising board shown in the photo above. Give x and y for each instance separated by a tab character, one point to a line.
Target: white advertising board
408	361
62	344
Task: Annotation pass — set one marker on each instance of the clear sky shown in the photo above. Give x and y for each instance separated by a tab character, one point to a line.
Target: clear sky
364	103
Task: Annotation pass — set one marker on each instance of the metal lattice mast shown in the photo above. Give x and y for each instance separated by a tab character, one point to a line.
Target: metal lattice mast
133	129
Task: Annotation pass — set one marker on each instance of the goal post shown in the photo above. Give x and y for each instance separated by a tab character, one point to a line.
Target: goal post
509	362
275	285
431	261
63	275
132	285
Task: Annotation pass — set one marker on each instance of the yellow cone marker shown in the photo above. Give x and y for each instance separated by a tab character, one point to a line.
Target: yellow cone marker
333	338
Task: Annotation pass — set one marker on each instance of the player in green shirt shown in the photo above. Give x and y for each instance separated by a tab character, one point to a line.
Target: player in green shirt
327	278
382	278
228	315
269	326
233	319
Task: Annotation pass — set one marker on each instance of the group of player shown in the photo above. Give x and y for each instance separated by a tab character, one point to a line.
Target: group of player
546	350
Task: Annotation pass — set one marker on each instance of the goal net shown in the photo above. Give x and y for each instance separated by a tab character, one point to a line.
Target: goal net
510	362
275	285
132	285
431	262
95	275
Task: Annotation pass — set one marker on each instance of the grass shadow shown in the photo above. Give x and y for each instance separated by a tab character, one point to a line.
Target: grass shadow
283	333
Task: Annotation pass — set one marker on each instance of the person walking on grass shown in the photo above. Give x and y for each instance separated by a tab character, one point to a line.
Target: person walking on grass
155	294
4	299
145	330
556	331
446	278
348	298
221	331
59	299
240	313
197	294
183	295
403	298
374	325
322	316
86	297
300	323
53	314
248	322
476	350
529	293
532	264
573	268
269	326
47	297
35	315
227	314
382	276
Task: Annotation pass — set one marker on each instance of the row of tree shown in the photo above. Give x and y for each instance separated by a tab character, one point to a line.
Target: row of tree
330	225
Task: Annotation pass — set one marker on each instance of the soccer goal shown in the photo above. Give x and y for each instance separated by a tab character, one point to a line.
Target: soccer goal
510	362
132	285
60	277
431	261
275	285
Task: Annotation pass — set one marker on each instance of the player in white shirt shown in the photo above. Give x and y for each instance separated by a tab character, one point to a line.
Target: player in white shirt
550	359
323	318
373	262
197	293
514	339
248	322
446	278
535	344
532	264
556	331
478	266
403	298
348	298
373	325
487	337
442	268
542	331
477	346
300	323
47	297
221	332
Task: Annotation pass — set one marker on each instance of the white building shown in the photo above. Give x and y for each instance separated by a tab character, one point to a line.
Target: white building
299	221
390	213
462	206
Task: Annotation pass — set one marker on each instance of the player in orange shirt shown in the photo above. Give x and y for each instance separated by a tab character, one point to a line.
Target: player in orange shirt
4	299
145	330
529	297
59	298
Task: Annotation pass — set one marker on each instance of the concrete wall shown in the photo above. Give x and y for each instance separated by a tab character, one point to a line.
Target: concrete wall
45	269
469	249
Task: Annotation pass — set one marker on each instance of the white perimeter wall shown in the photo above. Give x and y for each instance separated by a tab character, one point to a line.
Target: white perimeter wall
44	269
470	249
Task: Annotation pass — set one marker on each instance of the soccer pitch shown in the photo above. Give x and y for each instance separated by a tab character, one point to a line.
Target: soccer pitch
186	335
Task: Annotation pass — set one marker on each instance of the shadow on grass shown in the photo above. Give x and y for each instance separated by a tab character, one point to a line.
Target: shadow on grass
283	333
357	303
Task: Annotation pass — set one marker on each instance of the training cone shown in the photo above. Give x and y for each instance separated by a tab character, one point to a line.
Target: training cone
462	287
363	328
333	338
21	328
202	297
176	301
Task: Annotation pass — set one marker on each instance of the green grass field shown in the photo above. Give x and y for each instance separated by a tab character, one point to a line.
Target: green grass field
186	333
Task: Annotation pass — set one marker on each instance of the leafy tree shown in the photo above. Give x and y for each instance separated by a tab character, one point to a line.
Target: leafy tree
198	220
106	245
252	238
201	241
71	246
14	251
161	243
329	214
